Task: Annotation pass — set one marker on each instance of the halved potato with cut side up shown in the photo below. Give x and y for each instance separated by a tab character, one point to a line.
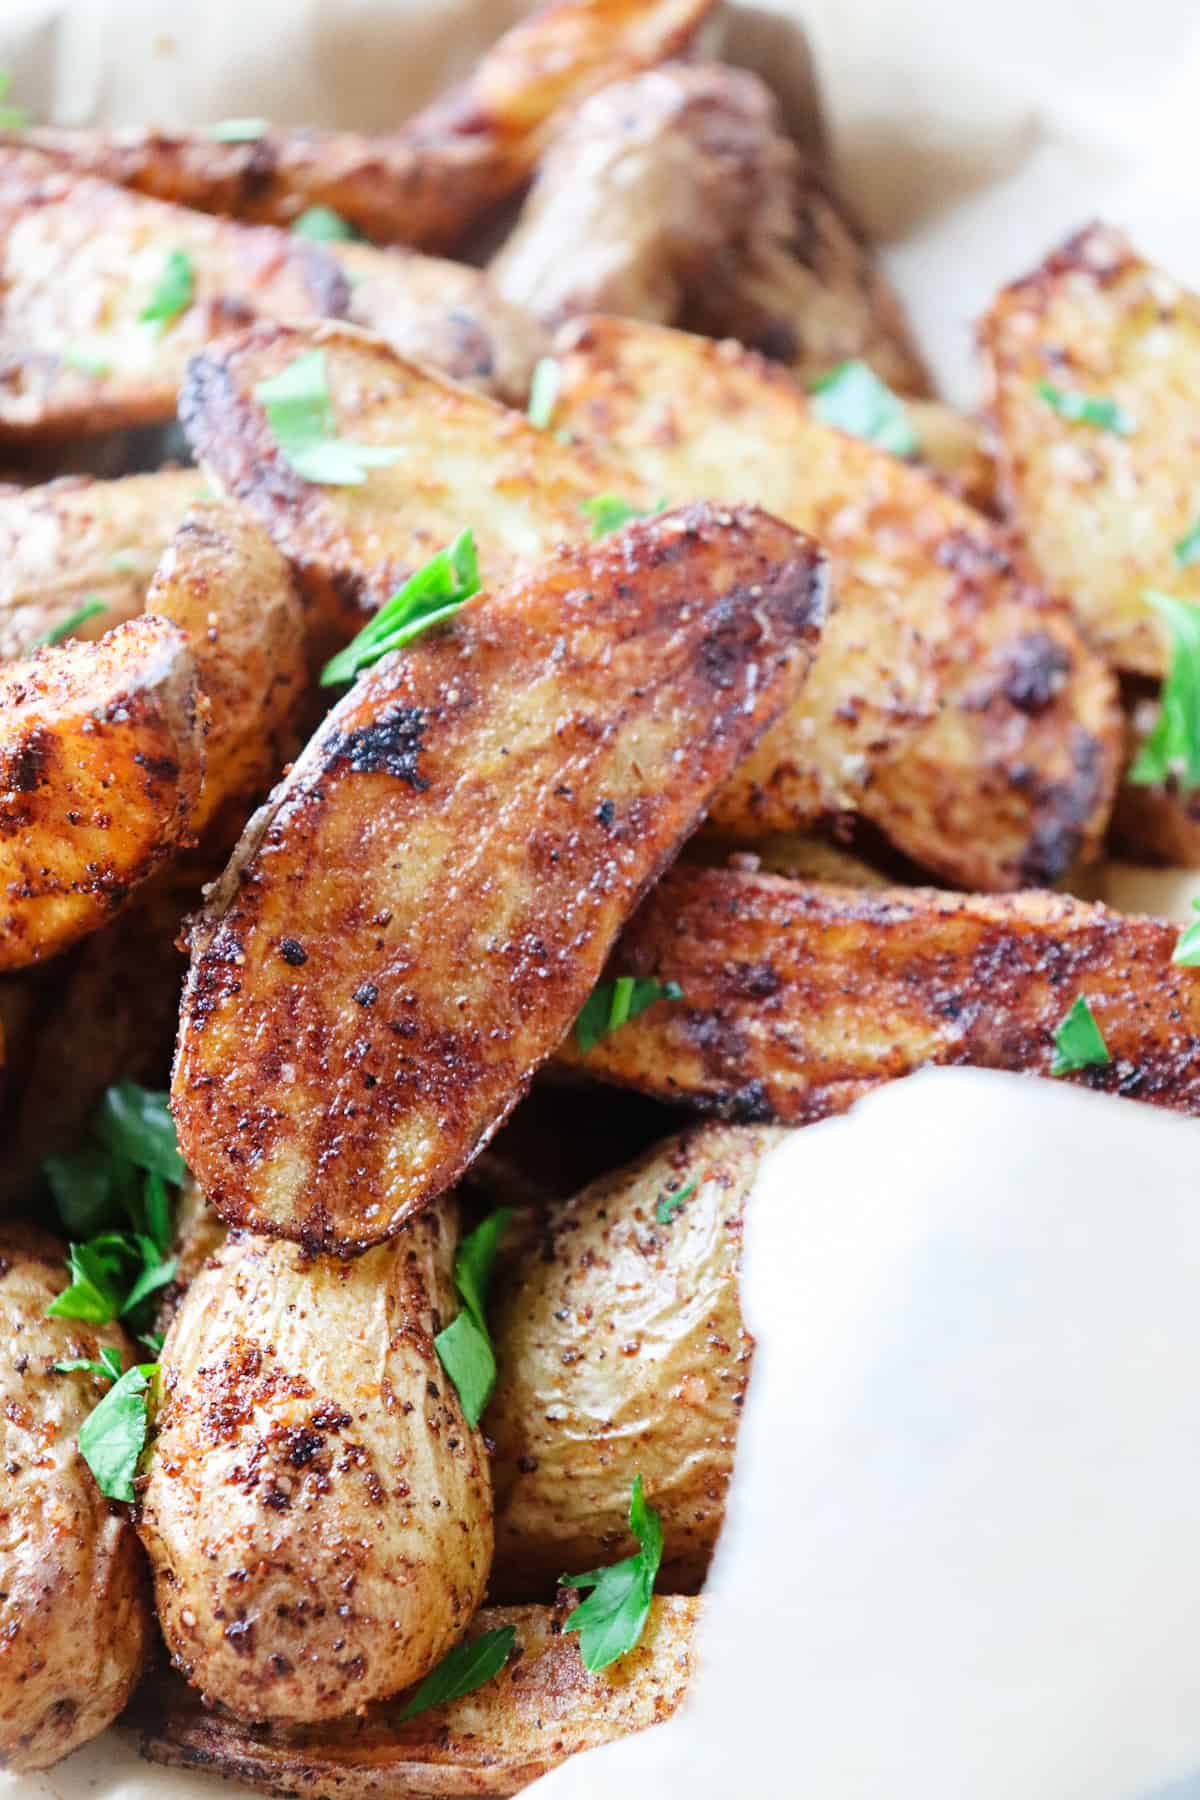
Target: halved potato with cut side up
414	920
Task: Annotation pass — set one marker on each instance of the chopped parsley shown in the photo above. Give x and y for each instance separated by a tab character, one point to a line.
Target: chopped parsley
1087	409
12	118
1172	748
612	1004
113	1436
55	635
1187	550
854	399
108	1368
1078	1042
300	413
434	593
543	395
609	512
324	226
465	1346
173	293
670	1201
611	1620
86	363
1187	950
462	1670
239	131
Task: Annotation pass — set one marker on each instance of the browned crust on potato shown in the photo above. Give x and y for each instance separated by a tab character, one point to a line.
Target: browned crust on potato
427	183
410	927
798	997
543	1707
101	760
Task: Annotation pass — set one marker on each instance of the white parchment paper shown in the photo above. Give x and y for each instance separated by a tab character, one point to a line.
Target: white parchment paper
963	1550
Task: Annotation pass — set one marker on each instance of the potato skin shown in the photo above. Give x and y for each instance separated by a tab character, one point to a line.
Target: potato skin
621	1351
316	1512
75	1617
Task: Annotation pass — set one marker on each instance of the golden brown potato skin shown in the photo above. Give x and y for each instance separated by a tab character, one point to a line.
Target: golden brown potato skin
414	920
316	1512
101	760
1098	512
950	704
621	1351
77	540
225	585
800	996
75	1620
429	182
541	1709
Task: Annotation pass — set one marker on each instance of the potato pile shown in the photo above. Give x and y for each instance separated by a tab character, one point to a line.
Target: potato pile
512	759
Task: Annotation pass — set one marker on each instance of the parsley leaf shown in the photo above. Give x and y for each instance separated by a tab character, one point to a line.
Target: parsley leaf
12	118
173	293
1078	1042
92	1294
610	1621
72	622
108	1368
1173	746
85	362
462	1670
136	1123
543	395
1187	950
239	131
324	226
113	1436
612	1003
433	593
465	1347
608	512
670	1202
1087	409
1187	550
300	413
854	399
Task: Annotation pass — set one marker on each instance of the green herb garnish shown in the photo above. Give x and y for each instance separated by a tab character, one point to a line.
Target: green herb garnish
610	1621
89	609
1173	746
609	512
108	1368
300	413
1187	950
612	1003
462	1670
113	1436
239	131
86	363
465	1347
324	226
1078	1042
136	1123
434	593
852	398
1187	550
173	293
12	118
1087	409
543	396
670	1202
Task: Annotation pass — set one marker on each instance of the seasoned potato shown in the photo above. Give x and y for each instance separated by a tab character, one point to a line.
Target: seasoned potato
414	920
429	182
316	1511
952	706
75	541
101	760
956	448
227	588
798	996
621	1351
807	857
75	1621
541	1709
1100	511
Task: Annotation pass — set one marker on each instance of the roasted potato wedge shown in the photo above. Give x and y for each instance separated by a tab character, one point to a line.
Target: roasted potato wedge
621	1351
230	592
678	195
75	1622
101	761
798	997
316	1510
954	707
804	855
414	920
74	541
1099	511
957	449
541	1709
427	183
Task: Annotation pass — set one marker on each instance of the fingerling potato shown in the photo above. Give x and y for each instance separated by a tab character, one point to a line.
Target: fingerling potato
316	1511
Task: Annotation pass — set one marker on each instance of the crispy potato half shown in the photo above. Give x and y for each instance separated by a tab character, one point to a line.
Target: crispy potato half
76	541
75	1621
950	704
798	997
413	921
101	761
621	1351
1100	501
427	183
541	1709
316	1511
